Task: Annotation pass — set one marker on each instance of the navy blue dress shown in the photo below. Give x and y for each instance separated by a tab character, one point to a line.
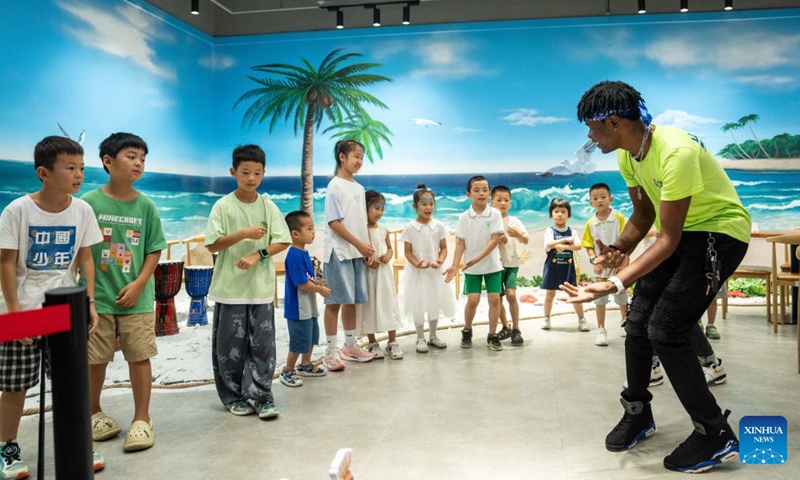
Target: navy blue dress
559	267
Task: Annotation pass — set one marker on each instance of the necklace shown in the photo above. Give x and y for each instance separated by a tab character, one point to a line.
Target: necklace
639	157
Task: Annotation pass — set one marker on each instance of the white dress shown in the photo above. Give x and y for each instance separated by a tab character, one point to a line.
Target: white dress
380	313
426	296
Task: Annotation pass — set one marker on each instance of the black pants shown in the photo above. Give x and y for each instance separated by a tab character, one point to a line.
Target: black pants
665	308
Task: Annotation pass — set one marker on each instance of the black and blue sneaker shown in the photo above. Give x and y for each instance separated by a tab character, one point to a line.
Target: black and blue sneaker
705	448
466	337
637	424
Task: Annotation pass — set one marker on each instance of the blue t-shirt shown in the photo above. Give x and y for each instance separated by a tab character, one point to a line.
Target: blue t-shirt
299	304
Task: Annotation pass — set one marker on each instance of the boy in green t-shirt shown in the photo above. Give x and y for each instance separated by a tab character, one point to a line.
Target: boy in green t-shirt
247	229
125	289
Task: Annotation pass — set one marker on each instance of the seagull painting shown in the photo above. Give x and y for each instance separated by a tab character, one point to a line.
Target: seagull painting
81	137
424	122
583	164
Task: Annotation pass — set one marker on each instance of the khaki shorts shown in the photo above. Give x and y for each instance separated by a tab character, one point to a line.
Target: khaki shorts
136	335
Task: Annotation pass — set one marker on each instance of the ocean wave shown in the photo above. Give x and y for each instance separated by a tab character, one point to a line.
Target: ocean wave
745	183
769	197
760	206
394	199
166	209
282	196
212	194
562	192
195	217
165	196
203	203
13	193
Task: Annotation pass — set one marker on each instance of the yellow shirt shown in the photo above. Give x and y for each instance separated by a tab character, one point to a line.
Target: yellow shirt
679	166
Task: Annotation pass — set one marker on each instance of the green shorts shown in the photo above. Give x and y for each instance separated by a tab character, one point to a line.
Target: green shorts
509	279
473	283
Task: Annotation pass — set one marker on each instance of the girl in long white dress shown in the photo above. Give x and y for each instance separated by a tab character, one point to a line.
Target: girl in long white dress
380	313
426	297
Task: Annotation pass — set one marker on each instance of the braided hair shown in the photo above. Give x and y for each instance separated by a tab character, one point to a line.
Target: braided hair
610	98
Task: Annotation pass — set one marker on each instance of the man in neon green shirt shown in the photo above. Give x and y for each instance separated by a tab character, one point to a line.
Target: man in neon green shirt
675	184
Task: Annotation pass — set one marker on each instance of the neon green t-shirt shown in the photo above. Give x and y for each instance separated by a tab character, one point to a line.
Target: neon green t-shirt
677	166
131	230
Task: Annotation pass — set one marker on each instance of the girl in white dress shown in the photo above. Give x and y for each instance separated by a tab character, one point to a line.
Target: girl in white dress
426	296
380	313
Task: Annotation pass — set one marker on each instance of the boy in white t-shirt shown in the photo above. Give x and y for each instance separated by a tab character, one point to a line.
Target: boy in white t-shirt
606	226
45	241
477	236
509	257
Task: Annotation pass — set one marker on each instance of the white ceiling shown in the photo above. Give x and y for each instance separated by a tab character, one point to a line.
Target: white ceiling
224	18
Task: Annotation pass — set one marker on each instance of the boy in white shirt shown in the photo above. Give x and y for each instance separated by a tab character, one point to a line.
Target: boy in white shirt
477	235
509	257
606	226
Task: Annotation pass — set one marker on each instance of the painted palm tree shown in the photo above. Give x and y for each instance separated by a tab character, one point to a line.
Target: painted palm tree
366	130
781	140
749	120
730	128
305	95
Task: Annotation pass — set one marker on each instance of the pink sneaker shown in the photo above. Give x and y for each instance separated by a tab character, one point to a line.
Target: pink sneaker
333	360
356	354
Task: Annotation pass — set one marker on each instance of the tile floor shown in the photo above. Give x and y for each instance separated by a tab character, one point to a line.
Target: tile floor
541	411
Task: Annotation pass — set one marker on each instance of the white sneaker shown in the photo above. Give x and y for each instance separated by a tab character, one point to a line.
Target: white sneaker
583	325
422	346
11	465
656	373
393	350
715	373
333	360
601	340
375	349
546	325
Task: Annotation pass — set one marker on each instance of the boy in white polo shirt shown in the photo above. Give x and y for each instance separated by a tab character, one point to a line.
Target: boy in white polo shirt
606	226
477	236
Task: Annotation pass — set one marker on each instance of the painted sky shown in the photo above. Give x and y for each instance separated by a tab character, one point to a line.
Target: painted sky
504	92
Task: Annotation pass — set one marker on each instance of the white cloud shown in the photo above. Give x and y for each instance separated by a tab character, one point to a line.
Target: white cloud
126	34
460	130
726	49
446	59
529	117
216	61
683	120
775	81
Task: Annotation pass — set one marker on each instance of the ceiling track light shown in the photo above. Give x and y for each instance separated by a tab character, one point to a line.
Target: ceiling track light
376	17
608	7
339	19
684	6
195	7
642	7
407	14
728	5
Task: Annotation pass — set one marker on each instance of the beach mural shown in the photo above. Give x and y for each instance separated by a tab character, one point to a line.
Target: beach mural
433	104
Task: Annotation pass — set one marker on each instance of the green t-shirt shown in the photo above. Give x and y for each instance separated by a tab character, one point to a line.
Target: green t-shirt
256	285
677	166
131	230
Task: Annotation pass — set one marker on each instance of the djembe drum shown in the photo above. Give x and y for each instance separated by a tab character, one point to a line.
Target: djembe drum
168	278
198	279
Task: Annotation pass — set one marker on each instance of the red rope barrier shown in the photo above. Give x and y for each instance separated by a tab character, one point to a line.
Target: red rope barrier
33	323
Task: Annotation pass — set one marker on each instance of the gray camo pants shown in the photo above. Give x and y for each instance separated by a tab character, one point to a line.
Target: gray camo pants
243	352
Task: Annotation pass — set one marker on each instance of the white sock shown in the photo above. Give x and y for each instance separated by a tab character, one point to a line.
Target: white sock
333	341
349	338
420	331
432	328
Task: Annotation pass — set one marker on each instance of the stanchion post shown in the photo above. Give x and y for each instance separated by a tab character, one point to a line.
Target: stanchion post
69	366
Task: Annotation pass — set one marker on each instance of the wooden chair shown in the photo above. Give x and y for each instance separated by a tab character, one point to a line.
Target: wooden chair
188	242
782	281
170	244
753	271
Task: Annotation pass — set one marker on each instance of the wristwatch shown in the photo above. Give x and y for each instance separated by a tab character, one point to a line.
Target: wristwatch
264	253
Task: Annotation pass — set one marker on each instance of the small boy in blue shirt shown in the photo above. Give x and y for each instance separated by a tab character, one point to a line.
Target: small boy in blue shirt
300	307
